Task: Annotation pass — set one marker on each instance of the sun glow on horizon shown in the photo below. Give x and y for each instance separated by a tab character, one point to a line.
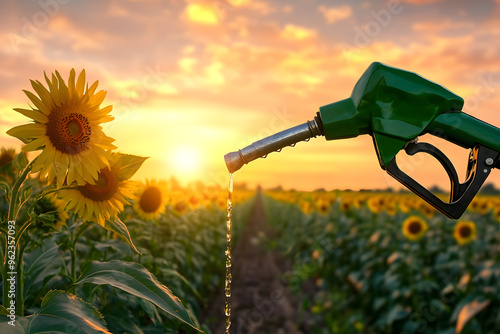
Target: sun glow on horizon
185	162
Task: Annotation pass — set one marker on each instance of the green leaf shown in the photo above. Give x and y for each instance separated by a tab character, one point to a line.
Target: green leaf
37	261
118	227
175	273
25	194
129	164
3	310
136	280
61	312
20	161
49	189
40	257
48	218
6	187
396	313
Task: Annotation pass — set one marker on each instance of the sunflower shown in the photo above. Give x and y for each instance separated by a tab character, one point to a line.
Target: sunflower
306	206
322	205
67	129
104	199
414	228
346	205
465	232
180	205
7	155
496	213
151	199
50	203
376	203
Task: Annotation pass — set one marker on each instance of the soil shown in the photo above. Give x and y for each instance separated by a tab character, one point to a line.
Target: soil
261	302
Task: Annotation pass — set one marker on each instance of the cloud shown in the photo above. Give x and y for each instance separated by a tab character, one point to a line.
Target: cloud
201	13
434	27
187	64
334	14
420	2
295	33
213	74
261	7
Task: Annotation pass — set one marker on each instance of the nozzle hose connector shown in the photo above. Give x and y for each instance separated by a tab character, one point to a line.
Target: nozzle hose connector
261	148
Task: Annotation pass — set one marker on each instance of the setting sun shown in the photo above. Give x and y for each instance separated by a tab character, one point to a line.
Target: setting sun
186	161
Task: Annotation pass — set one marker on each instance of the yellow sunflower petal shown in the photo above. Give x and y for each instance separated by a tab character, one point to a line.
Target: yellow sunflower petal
91	90
36	115
71	174
36	144
37	102
32	130
43	93
99	97
80	84
71	84
51	172
63	89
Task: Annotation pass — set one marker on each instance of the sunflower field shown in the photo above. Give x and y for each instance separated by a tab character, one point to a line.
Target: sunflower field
87	250
375	262
110	277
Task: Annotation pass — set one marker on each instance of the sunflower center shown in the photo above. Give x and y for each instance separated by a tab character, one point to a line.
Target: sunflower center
465	231
67	130
414	227
75	128
105	187
5	158
150	200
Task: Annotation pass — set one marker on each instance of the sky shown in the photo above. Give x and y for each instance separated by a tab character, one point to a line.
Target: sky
190	81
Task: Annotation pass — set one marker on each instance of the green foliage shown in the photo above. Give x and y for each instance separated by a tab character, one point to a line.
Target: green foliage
60	313
20	161
129	165
128	276
118	227
357	273
136	280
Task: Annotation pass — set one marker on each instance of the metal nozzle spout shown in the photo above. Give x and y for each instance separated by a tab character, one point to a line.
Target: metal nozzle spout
261	148
234	161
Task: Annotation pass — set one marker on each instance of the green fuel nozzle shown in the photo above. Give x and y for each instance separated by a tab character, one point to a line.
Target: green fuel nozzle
395	107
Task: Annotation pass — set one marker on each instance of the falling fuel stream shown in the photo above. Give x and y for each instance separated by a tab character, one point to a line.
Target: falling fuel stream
227	288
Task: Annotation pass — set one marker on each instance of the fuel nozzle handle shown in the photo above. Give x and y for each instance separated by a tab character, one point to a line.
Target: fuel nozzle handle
261	148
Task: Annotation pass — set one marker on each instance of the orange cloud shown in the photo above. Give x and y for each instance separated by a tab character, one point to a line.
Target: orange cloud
420	2
203	14
238	2
261	7
213	74
441	25
187	64
296	33
334	14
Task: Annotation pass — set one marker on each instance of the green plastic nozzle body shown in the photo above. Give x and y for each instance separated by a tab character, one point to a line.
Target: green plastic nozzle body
394	106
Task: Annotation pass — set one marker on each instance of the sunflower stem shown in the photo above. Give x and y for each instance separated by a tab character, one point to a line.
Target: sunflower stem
12	217
20	279
13	209
73	268
24	228
72	289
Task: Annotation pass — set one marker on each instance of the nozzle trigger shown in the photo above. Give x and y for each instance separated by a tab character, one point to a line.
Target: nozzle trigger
481	161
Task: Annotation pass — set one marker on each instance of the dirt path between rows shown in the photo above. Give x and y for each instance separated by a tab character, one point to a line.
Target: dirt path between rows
261	303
